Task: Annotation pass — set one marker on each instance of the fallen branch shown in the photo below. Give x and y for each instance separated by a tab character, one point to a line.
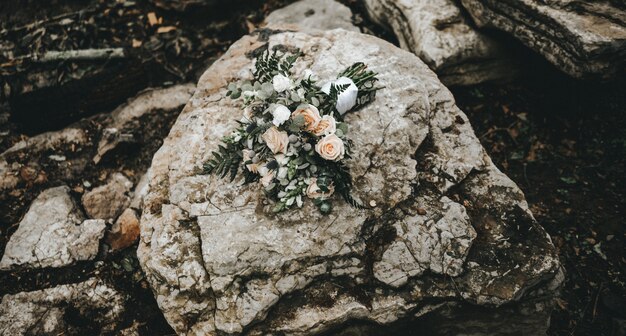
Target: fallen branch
80	55
69	55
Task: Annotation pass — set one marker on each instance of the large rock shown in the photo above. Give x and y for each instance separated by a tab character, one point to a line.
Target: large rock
91	307
448	229
440	34
53	234
313	14
582	38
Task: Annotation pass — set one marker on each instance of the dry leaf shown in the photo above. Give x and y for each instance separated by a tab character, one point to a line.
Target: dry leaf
137	43
152	19
165	29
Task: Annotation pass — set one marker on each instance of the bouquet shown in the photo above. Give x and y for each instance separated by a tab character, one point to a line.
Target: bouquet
292	137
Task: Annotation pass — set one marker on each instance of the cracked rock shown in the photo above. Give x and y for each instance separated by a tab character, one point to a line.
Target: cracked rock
109	200
439	33
448	229
53	233
582	38
313	14
63	310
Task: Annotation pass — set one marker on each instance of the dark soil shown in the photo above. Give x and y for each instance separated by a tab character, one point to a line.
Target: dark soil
564	143
562	140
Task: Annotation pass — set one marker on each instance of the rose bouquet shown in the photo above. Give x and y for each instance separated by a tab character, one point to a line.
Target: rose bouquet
292	137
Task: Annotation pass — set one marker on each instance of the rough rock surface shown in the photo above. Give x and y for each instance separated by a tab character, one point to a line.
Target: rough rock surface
53	234
313	14
582	38
68	155
126	119
448	226
63	310
109	200
439	33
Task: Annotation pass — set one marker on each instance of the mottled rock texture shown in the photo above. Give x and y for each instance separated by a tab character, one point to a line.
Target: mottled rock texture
448	226
313	14
440	34
91	307
582	38
53	233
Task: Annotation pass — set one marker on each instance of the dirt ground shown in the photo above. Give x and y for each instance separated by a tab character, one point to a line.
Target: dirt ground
561	140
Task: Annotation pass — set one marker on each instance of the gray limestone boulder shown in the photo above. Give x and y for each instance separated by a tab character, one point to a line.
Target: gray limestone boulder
449	235
582	38
53	233
439	33
313	14
91	306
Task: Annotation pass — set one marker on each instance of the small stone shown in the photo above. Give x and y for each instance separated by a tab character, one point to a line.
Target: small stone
59	158
124	232
53	234
372	203
109	200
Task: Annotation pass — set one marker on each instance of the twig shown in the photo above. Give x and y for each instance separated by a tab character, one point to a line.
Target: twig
54	18
70	55
595	304
81	55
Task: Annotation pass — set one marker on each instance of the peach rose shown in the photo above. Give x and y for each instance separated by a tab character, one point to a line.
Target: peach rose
277	141
311	116
326	126
313	190
330	148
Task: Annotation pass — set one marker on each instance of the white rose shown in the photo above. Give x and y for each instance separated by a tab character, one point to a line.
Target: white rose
347	98
313	190
277	141
326	126
330	148
310	114
281	114
281	83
